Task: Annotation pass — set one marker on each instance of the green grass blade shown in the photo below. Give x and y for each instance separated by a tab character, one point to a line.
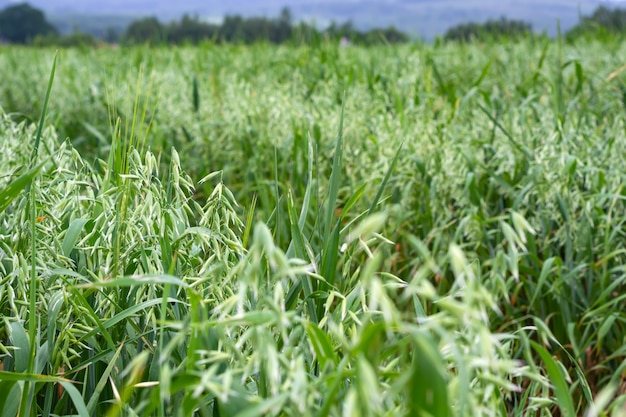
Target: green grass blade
127	314
93	401
76	397
263	408
335	177
330	257
428	390
353	200
22	376
322	347
28	392
44	111
301	251
382	186
560	386
71	235
22	345
309	185
18	185
132	281
527	153
10	393
195	95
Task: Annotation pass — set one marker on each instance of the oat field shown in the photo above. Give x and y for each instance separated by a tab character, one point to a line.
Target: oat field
417	230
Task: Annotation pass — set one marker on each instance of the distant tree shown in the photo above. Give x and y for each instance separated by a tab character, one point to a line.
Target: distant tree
602	21
345	30
490	30
305	33
282	30
22	23
390	35
190	30
610	19
147	30
111	35
285	18
256	29
232	29
237	29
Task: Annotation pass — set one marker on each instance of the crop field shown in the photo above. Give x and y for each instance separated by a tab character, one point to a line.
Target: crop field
417	230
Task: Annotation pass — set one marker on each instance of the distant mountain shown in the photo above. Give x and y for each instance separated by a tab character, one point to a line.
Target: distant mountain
425	18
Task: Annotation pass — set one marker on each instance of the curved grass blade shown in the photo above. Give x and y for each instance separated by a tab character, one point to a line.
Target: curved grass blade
71	235
137	280
381	189
129	312
28	393
335	177
428	389
559	384
17	186
20	341
10	393
93	401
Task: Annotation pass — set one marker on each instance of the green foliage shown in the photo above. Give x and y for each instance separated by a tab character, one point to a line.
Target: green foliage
451	242
502	28
220	333
22	23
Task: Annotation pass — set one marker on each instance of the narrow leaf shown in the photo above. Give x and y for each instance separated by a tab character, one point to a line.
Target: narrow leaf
564	399
72	234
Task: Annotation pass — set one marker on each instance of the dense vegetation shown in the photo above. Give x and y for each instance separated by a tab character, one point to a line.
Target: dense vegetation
280	230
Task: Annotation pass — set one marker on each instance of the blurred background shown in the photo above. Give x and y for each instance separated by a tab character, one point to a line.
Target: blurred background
419	19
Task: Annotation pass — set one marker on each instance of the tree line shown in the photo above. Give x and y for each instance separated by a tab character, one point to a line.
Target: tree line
247	30
603	21
489	30
24	24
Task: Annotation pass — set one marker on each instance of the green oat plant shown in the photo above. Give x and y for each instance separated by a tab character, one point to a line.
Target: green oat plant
449	244
170	314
